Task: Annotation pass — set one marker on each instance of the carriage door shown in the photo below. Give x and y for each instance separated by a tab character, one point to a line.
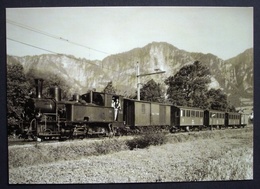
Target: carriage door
129	113
226	119
175	116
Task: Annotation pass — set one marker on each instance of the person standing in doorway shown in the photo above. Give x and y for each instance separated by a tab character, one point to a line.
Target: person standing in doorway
116	105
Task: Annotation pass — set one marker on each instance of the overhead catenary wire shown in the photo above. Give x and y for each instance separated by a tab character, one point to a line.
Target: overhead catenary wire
31	45
43	49
53	36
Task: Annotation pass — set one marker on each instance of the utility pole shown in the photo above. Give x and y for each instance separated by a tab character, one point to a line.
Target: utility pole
138	75
138	81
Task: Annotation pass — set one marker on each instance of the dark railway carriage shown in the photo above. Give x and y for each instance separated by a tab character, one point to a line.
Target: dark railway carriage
137	113
143	115
232	119
185	118
214	119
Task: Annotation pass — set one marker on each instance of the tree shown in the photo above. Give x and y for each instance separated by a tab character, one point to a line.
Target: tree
151	91
109	89
189	85
217	100
17	89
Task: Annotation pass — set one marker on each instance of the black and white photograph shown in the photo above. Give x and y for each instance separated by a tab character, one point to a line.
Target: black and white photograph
129	94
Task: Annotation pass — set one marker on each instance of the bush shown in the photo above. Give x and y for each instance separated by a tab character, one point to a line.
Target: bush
109	145
146	140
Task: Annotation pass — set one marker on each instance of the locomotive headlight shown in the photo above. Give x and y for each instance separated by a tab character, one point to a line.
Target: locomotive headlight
38	115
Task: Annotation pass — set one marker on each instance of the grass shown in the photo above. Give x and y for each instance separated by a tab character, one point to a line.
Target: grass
233	165
43	153
50	152
195	156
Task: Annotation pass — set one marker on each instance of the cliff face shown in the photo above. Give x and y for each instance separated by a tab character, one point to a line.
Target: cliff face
235	74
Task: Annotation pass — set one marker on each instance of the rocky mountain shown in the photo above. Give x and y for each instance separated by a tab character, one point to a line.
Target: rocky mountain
235	74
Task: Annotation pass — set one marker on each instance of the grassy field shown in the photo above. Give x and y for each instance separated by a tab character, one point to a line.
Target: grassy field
197	156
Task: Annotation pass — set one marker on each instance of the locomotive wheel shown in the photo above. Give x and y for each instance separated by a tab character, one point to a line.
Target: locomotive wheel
173	130
48	131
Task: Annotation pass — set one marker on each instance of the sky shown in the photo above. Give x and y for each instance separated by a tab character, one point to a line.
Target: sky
97	32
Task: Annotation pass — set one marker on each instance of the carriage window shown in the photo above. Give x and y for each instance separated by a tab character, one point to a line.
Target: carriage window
201	114
184	113
192	113
181	113
188	113
197	114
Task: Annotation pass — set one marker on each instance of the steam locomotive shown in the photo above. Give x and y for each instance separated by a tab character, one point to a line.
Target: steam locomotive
88	114
94	113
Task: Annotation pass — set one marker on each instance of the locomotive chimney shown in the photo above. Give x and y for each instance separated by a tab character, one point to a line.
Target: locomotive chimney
38	85
91	97
55	92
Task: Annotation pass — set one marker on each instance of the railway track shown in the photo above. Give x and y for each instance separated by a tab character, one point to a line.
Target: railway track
16	141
